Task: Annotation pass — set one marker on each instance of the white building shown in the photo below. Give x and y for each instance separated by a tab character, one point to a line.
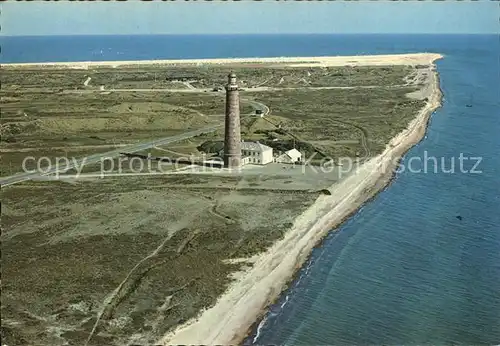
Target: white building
290	156
256	153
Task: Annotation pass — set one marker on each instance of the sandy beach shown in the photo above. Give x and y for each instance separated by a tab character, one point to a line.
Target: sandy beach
374	60
229	321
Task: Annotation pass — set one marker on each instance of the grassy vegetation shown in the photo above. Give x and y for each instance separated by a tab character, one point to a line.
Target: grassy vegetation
203	76
333	122
42	111
65	248
13	161
341	115
88	238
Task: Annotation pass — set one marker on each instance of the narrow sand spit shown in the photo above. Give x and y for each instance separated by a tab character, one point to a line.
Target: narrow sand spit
230	319
394	59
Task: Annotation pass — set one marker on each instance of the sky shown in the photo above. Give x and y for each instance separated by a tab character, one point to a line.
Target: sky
245	17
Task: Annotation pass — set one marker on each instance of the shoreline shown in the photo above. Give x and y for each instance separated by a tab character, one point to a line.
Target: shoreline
246	300
354	60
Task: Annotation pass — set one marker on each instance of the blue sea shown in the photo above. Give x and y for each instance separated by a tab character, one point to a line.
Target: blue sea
418	264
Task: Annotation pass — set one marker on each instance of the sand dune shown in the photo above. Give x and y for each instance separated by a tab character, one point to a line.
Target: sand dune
394	59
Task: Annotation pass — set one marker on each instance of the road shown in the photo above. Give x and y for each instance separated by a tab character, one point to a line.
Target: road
258	105
17	178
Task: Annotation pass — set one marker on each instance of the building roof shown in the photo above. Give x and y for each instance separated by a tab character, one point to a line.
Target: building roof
294	154
255	146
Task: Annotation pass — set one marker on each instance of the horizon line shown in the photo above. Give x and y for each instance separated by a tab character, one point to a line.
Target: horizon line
263	34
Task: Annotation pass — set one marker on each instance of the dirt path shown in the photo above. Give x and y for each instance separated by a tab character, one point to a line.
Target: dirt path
247	90
112	300
364	135
189	85
137	273
171	151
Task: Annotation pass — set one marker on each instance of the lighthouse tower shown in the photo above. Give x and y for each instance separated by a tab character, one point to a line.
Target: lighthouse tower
232	135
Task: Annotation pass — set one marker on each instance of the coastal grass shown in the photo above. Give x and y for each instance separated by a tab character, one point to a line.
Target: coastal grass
67	247
159	249
338	123
208	76
331	118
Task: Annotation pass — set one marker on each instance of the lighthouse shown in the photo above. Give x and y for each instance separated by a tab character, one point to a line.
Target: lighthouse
232	134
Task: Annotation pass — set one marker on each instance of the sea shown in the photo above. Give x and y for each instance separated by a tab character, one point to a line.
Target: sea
419	263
